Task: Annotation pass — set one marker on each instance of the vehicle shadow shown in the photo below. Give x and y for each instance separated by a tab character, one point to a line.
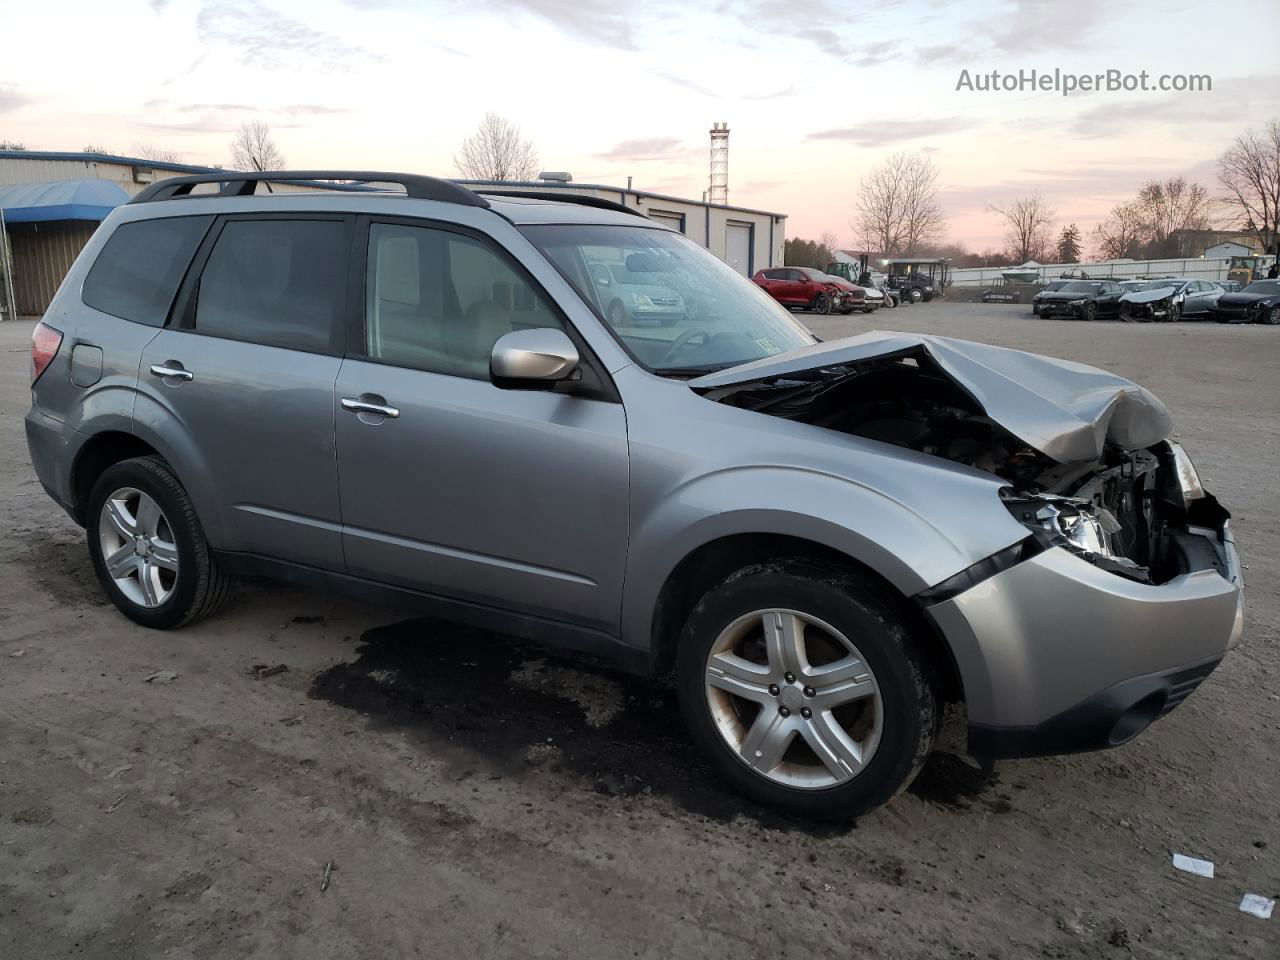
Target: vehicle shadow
483	699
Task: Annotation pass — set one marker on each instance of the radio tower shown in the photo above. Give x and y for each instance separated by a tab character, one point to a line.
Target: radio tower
719	163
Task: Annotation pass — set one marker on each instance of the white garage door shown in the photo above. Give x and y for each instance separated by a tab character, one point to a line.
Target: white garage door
673	220
737	246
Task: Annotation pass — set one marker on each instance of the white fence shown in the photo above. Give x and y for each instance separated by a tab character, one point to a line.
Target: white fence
1196	267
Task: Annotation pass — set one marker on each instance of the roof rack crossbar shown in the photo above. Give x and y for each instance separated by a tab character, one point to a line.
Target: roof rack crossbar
240	184
557	196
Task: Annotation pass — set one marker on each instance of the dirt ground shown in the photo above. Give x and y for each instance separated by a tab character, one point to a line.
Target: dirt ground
482	799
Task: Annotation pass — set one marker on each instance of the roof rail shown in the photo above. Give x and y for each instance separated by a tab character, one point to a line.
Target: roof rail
242	184
557	196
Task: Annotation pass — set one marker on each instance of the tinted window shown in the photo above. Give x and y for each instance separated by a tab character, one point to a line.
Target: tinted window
438	301
275	282
140	267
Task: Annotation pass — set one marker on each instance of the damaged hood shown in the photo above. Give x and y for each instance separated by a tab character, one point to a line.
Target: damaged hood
1149	296
1068	411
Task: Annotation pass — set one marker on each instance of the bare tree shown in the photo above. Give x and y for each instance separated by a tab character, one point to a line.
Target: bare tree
254	148
149	151
1249	173
898	209
1169	207
1121	235
12	145
831	242
1028	222
94	148
495	150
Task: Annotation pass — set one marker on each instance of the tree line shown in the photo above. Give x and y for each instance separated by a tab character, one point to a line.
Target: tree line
898	213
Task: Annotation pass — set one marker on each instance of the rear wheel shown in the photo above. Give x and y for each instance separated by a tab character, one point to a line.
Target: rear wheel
148	548
804	690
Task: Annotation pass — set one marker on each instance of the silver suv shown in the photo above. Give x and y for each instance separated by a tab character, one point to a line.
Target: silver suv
423	395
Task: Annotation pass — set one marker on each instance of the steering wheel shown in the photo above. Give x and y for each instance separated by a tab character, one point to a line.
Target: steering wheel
680	342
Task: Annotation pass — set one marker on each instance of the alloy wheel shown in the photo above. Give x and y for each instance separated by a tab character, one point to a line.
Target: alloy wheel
1273	316
794	699
138	547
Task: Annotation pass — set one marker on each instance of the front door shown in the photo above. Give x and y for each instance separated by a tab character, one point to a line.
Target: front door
241	385
509	498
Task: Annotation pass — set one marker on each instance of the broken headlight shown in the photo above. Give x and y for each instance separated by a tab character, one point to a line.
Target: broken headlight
1080	526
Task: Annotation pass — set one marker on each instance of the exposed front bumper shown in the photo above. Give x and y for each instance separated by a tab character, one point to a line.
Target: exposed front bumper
1057	655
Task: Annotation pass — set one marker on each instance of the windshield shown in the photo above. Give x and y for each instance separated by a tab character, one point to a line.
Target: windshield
1264	286
674	306
1080	286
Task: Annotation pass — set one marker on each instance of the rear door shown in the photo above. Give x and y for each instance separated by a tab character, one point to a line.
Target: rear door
515	499
242	380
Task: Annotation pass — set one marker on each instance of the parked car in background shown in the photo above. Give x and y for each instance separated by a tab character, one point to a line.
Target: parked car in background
797	288
633	296
1170	299
1083	300
1259	302
1230	286
1050	287
852	296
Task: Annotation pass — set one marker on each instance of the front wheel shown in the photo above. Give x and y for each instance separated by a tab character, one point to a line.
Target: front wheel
1272	317
1090	311
915	295
822	303
148	548
804	690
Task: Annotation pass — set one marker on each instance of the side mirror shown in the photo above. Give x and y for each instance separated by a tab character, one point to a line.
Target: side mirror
532	359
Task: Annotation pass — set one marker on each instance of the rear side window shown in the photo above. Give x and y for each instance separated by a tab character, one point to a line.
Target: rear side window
281	283
140	267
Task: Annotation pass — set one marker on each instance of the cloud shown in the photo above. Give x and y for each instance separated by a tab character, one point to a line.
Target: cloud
1252	96
683	81
880	133
10	98
655	148
174	117
596	20
269	40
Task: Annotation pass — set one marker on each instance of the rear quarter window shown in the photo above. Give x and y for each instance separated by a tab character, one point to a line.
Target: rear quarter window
139	268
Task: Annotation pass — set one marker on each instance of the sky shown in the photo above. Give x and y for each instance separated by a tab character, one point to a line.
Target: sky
816	93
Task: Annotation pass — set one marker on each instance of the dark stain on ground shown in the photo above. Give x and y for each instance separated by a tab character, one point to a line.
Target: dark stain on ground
952	781
61	568
451	686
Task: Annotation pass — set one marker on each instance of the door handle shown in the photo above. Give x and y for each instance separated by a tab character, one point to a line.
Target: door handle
171	370
358	405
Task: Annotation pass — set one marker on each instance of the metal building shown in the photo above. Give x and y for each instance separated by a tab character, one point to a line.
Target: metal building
748	240
50	204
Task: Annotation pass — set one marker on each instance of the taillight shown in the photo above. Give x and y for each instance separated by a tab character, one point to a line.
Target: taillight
45	342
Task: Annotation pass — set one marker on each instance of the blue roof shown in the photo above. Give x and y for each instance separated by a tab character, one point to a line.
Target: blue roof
60	200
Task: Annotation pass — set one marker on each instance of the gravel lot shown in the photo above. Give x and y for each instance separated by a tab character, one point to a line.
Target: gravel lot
479	798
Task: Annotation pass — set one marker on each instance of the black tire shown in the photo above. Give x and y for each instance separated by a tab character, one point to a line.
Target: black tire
1175	313
1272	317
915	295
1090	312
847	603
822	304
618	316
200	587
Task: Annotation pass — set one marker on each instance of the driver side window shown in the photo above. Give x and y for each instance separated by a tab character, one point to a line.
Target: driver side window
438	301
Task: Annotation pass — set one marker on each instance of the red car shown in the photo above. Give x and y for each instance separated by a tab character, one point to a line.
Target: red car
810	289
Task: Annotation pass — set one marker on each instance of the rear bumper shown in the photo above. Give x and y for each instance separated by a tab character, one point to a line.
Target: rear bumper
53	445
1057	655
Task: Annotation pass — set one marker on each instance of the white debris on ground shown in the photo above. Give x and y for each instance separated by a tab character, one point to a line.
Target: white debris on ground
1257	905
1201	868
601	700
161	676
